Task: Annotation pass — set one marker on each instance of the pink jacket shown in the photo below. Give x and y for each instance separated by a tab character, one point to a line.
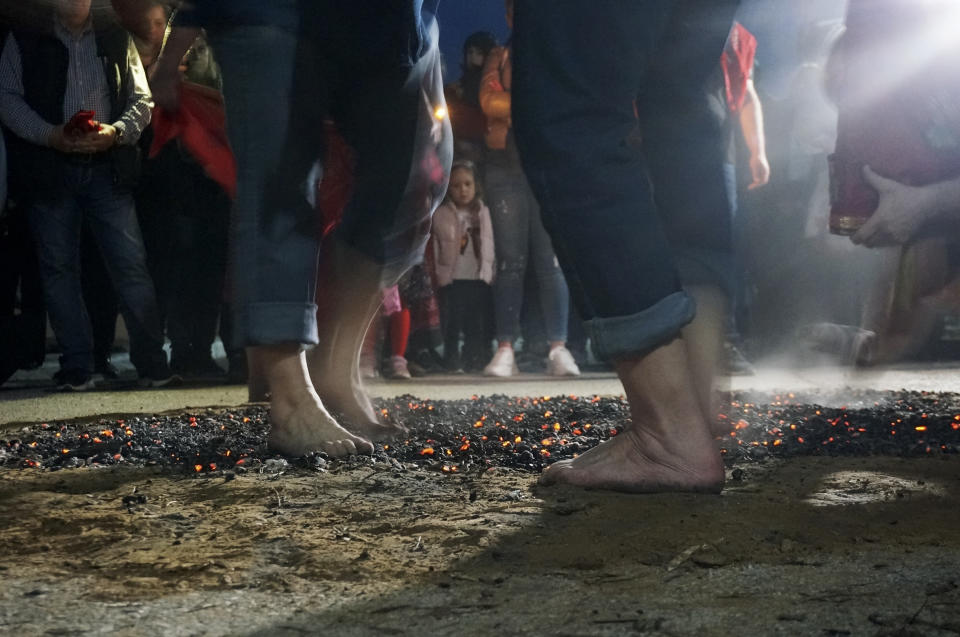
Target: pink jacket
447	232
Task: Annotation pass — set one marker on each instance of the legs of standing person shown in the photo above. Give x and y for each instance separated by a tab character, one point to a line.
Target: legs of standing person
606	230
553	294
385	112
112	217
101	302
273	109
56	224
200	238
476	343
451	314
509	215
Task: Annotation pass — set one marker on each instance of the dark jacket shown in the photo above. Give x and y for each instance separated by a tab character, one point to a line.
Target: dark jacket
45	59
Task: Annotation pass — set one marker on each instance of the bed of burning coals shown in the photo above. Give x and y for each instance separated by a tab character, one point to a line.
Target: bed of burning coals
521	433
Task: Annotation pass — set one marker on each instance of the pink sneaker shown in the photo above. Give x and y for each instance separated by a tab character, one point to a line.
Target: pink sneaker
398	367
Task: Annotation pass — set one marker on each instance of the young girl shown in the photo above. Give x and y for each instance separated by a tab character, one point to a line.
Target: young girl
463	244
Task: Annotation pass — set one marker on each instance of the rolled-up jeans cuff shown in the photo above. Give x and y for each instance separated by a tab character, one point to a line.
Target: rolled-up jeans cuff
640	333
277	323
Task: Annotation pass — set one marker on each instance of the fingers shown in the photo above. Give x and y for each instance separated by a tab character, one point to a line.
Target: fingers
878	182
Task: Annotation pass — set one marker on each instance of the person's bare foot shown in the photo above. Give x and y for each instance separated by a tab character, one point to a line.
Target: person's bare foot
667	447
299	428
299	422
345	395
637	463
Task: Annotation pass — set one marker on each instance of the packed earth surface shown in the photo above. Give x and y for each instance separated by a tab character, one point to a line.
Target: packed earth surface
841	516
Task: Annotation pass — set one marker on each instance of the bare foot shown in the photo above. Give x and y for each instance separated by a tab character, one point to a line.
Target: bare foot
668	446
300	424
299	428
347	397
638	463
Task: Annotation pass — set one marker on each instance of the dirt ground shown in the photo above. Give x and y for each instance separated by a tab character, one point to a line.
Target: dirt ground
808	546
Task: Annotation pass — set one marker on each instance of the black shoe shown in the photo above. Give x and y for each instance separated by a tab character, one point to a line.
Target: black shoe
206	367
106	369
237	373
161	376
73	380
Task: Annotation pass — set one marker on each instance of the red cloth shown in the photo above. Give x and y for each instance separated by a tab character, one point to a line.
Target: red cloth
336	187
737	64
200	125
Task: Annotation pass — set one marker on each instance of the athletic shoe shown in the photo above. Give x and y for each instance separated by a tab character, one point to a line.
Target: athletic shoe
73	380
503	364
398	367
106	369
560	362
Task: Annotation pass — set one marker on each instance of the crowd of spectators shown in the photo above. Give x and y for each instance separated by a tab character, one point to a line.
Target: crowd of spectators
112	207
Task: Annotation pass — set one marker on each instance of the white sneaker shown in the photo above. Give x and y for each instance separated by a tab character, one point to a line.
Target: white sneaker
560	363
502	364
398	367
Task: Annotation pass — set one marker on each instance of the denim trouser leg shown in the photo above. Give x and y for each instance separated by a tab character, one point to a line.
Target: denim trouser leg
575	81
56	224
89	193
278	87
112	217
274	108
552	287
520	240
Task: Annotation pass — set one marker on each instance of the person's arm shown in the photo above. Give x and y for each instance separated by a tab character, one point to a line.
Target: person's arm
751	123
904	210
136	117
165	81
136	114
15	113
494	97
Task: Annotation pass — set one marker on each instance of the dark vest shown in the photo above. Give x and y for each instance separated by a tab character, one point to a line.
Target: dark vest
37	169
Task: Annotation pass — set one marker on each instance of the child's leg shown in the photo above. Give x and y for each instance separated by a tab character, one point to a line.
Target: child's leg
476	293
399	332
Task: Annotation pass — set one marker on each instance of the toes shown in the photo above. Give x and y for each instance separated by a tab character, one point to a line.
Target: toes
553	474
362	446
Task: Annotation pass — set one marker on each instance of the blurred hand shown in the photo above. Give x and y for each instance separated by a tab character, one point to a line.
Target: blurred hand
62	142
900	213
98	141
165	86
759	172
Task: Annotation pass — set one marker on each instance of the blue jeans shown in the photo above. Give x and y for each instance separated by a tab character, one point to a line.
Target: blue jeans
88	193
575	82
279	86
520	239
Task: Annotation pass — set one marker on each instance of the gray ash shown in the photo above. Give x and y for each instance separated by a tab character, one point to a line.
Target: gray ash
521	433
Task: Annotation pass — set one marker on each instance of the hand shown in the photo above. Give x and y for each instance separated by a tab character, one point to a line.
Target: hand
165	86
62	142
759	171
97	141
900	213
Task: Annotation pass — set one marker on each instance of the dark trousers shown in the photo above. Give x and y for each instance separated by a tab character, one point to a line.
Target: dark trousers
89	194
99	297
376	73
465	310
185	217
23	334
578	72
